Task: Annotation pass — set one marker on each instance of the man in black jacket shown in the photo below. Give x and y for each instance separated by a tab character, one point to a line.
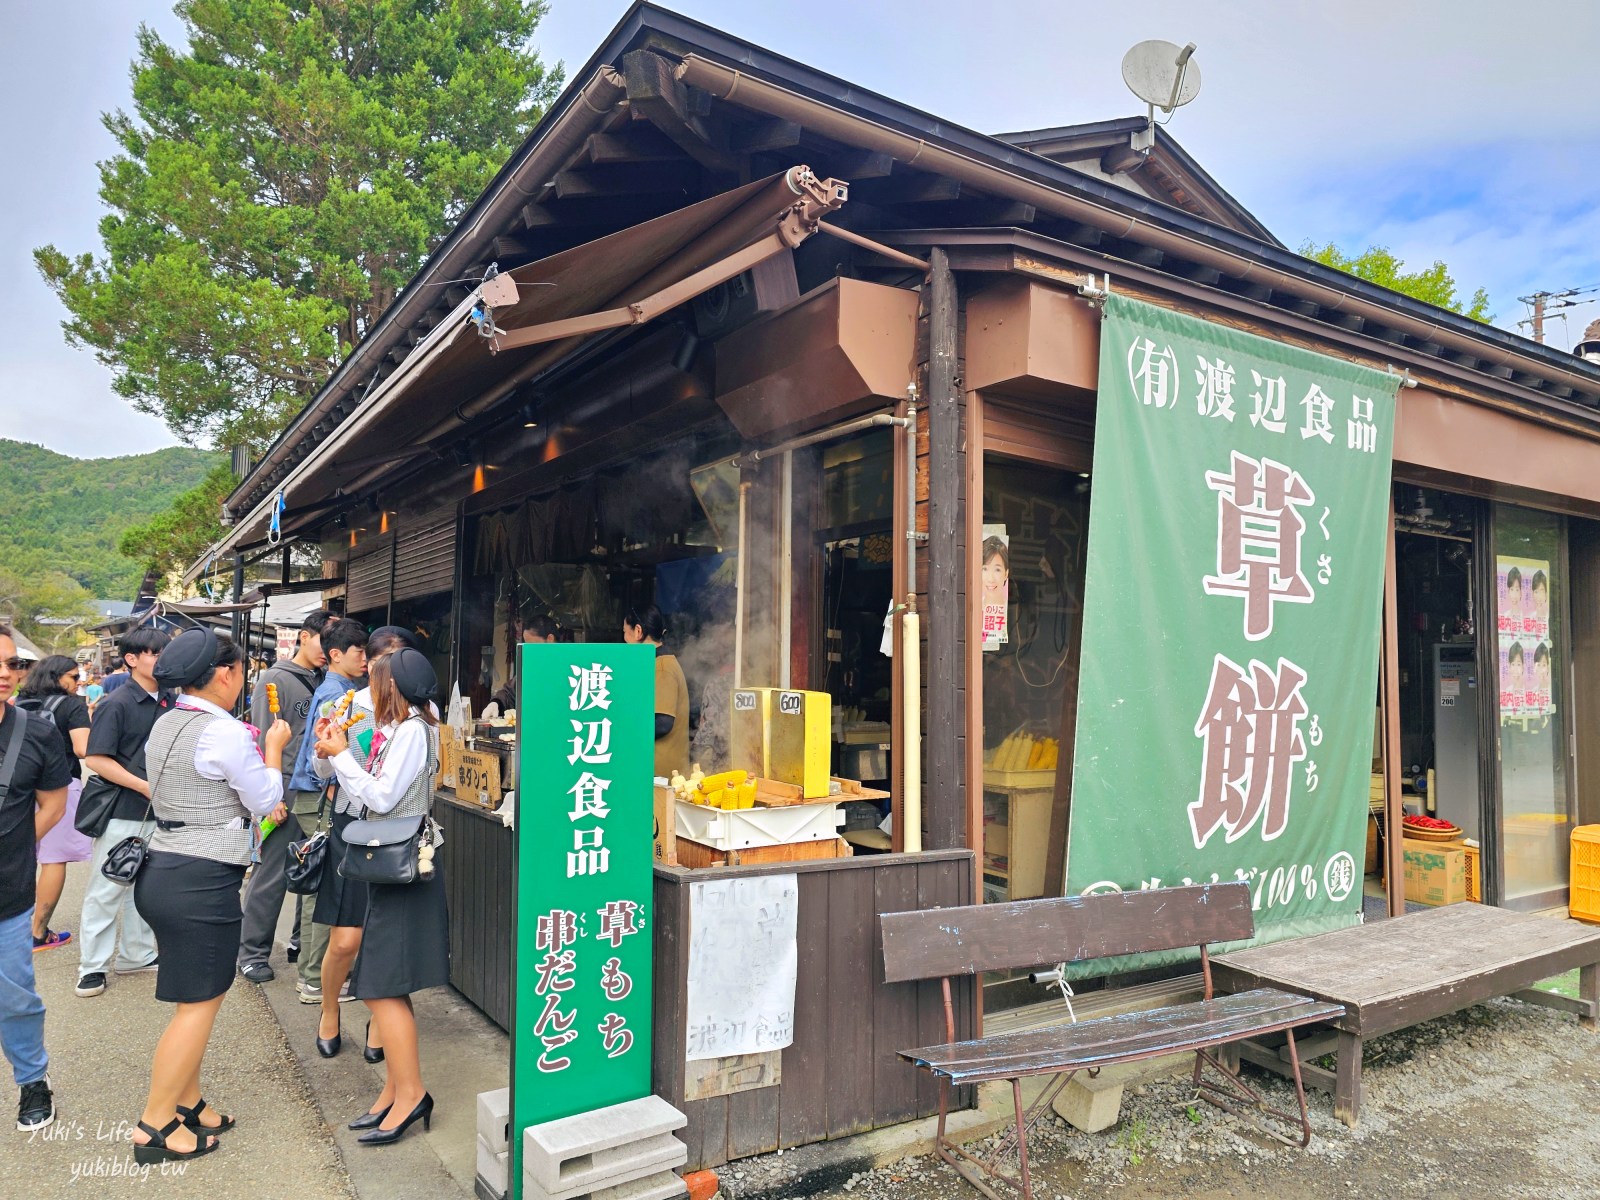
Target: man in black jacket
33	796
296	680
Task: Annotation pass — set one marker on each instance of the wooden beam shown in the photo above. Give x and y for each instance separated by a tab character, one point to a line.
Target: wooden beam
1209	276
855	165
656	96
1003	212
650	179
764	136
915	187
1120	159
640	144
944	815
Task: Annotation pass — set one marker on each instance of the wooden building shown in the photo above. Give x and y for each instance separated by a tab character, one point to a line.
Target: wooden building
728	302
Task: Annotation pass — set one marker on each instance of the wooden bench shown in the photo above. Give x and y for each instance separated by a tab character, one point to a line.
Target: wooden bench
942	943
1395	973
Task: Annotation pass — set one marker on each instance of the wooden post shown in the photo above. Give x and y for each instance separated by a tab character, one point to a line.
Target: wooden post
944	812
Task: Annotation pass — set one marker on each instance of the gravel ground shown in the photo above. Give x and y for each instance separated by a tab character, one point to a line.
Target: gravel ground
100	1052
1499	1100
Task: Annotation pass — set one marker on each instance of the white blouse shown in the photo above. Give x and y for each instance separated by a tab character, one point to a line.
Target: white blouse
226	751
404	757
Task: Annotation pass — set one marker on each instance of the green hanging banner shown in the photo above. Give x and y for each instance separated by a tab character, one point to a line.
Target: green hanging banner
581	958
1237	535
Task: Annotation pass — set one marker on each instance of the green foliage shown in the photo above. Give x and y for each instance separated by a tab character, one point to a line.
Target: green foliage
1377	264
50	607
63	516
171	540
279	181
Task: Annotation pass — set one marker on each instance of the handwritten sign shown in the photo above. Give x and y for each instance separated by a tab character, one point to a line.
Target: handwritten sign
742	964
477	777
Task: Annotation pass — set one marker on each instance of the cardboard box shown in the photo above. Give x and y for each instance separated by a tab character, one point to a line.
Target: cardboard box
666	829
1436	872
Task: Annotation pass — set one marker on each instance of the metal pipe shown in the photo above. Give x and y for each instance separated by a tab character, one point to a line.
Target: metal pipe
820	435
786	573
878	248
822	118
911	735
739	584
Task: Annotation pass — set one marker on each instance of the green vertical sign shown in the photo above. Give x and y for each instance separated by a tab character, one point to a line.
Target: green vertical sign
1237	535
581	957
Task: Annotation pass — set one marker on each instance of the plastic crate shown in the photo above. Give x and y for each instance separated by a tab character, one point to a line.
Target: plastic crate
1584	900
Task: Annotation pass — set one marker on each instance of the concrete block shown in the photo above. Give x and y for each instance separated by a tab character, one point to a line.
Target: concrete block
608	1168
1088	1104
494	1118
560	1154
659	1185
493	1166
482	1190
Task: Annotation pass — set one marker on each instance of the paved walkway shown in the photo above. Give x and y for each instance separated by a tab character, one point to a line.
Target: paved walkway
262	1067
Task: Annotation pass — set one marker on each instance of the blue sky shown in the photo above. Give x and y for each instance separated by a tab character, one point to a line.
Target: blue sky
1466	130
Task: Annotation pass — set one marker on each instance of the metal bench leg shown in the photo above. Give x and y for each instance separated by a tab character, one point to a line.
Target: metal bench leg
1022	1139
1235	1088
1347	1086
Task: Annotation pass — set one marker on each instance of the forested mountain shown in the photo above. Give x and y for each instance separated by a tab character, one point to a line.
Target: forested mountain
66	514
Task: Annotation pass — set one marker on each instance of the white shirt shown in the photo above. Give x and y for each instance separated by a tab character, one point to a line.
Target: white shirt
226	751
404	756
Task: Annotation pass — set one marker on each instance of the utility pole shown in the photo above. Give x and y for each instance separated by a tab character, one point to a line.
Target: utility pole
1542	306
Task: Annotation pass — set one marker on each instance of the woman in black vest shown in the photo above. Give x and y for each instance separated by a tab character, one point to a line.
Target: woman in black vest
405	940
208	789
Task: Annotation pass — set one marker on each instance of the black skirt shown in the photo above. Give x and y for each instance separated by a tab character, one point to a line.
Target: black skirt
405	943
340	901
192	906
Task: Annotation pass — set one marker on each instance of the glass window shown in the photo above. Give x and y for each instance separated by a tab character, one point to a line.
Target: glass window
1035	527
1529	598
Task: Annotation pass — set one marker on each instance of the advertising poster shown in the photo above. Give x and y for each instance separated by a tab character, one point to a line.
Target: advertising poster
1522	592
996	586
1237	535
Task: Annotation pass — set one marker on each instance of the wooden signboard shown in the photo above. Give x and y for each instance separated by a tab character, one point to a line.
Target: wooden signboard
477	777
449	747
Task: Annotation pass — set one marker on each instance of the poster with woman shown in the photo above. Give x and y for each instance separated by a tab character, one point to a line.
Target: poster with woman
996	585
1523	626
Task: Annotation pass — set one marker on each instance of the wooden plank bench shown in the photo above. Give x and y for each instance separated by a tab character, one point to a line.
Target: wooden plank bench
1399	972
942	943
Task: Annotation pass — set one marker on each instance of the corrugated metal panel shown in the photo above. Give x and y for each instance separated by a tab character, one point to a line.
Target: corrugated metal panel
425	558
367	580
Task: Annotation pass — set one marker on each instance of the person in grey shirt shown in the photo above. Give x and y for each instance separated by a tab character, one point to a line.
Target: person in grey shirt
296	681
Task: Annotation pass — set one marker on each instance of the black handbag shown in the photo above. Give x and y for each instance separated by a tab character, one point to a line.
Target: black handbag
126	859
386	851
308	858
96	803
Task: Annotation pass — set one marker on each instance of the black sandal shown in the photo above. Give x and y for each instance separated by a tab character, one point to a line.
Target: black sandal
156	1149
191	1118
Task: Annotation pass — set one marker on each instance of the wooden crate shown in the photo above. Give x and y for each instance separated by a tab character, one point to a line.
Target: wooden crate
697	854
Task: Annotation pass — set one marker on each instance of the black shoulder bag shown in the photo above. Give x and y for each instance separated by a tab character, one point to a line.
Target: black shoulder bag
392	850
304	864
126	859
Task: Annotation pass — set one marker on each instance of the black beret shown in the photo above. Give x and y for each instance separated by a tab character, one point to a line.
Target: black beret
187	658
413	675
400	632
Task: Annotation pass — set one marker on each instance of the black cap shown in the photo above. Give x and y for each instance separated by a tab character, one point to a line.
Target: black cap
399	632
187	658
414	675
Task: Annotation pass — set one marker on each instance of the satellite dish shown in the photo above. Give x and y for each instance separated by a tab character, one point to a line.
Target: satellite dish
1161	74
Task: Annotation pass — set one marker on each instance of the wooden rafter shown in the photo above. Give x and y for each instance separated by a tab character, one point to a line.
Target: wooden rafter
655	95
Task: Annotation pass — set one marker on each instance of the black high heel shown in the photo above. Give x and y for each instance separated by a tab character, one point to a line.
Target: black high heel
328	1047
385	1137
156	1149
191	1118
369	1120
373	1054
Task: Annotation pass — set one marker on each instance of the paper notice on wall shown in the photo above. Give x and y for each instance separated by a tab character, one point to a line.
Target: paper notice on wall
742	965
996	586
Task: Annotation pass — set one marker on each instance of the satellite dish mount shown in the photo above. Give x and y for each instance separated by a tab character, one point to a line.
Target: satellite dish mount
1164	76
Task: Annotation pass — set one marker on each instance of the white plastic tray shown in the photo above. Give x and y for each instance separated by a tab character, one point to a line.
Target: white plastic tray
744	828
